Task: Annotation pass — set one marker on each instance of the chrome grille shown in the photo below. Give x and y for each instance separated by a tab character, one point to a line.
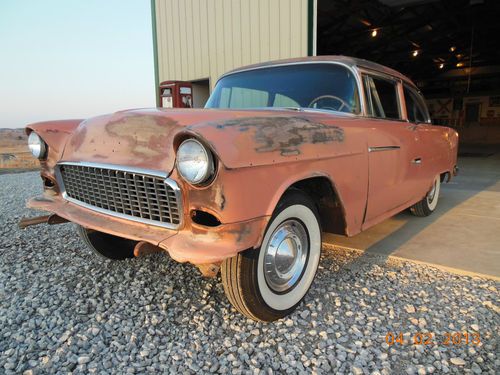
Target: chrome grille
122	192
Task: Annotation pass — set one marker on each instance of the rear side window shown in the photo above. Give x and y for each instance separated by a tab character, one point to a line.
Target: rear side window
382	98
415	107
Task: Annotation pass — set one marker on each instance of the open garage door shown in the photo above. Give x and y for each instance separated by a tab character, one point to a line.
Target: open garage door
450	48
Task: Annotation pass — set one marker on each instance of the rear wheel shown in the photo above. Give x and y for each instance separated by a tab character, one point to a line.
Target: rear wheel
106	245
427	205
269	283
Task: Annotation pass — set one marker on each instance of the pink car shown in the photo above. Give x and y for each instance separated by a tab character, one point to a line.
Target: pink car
282	152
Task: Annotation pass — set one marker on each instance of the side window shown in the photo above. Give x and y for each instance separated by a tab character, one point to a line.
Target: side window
415	108
382	97
238	97
248	98
284	101
225	95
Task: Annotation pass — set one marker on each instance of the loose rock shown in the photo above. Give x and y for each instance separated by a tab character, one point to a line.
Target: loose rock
63	310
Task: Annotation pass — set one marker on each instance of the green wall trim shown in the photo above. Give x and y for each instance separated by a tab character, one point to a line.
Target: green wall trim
155	53
310	27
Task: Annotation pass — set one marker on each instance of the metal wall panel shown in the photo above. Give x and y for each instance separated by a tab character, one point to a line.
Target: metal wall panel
199	39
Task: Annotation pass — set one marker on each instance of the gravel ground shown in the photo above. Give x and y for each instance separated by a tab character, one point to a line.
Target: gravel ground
62	310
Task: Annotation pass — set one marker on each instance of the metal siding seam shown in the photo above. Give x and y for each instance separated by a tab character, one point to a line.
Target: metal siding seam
310	27
155	53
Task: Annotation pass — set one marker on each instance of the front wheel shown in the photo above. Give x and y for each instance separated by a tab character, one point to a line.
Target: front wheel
427	205
269	283
106	245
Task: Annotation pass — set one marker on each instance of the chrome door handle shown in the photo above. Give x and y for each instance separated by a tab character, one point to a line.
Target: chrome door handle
417	161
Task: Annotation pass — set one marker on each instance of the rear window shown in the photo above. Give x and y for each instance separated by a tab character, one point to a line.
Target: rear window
415	107
318	86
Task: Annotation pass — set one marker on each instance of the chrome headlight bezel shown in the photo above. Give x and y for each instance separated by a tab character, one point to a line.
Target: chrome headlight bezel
195	162
37	146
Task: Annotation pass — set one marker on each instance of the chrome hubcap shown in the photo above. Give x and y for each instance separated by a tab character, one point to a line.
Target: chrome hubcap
285	256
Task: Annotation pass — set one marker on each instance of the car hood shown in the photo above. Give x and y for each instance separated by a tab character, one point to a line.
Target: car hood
145	138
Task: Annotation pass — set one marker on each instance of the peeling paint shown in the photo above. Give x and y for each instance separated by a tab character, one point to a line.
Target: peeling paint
285	134
144	136
219	198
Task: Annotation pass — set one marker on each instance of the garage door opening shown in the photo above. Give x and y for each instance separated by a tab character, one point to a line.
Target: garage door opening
201	92
448	48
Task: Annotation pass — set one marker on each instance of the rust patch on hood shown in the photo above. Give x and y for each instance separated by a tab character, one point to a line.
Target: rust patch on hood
139	139
256	138
285	134
145	136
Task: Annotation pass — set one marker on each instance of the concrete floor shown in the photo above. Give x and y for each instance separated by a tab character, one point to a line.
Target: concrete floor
464	231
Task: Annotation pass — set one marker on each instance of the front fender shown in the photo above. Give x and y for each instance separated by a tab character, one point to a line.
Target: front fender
264	140
55	134
261	157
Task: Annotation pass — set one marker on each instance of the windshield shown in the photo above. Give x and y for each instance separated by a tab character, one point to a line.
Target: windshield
318	86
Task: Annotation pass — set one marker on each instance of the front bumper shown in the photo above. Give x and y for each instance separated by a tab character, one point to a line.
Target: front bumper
193	243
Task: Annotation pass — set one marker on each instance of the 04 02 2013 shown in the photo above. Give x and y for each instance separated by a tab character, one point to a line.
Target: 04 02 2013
431	338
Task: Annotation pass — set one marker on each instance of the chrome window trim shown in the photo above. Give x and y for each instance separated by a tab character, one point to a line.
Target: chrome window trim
150	172
355	73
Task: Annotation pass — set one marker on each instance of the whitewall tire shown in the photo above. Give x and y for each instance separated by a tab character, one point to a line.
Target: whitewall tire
268	283
427	205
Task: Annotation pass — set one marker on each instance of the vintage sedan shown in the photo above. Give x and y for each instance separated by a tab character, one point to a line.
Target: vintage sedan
282	152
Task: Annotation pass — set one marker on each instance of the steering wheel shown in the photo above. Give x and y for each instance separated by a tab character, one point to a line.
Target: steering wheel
342	103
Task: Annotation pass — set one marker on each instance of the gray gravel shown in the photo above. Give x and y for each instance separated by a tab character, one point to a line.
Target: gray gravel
62	310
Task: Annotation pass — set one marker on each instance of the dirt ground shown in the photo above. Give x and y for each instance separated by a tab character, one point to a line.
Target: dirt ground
14	152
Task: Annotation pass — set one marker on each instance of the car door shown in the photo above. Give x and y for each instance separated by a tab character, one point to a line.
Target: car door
393	153
433	144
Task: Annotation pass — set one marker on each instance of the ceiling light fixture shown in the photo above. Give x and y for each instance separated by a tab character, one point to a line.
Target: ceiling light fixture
453	48
374	33
441	66
415	53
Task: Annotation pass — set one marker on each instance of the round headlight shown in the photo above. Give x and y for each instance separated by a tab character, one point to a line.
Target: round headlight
37	146
194	162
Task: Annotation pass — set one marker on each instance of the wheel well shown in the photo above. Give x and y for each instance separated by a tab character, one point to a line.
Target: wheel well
445	177
330	210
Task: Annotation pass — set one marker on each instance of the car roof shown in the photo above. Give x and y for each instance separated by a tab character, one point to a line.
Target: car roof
352	62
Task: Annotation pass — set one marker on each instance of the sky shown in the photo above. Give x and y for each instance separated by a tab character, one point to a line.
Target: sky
62	59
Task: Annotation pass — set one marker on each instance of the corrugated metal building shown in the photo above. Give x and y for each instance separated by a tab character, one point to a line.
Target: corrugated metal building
199	40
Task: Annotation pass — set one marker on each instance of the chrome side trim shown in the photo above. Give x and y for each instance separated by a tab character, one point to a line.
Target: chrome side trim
383	148
172	183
